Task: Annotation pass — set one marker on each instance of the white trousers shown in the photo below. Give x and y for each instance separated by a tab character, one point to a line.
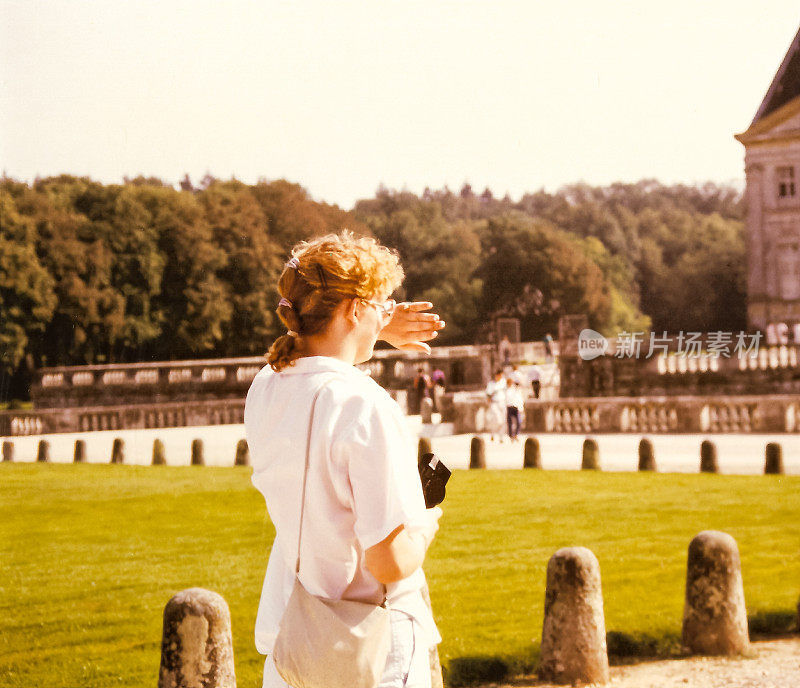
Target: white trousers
407	666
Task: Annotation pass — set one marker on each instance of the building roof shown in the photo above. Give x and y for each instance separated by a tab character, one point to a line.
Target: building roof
786	84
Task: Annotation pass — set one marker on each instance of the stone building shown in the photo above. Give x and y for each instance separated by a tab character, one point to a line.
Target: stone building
772	169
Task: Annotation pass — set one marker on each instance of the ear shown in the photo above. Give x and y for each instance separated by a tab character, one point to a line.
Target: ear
351	311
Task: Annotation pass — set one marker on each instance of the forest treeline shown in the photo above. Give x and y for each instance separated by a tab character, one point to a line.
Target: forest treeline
94	273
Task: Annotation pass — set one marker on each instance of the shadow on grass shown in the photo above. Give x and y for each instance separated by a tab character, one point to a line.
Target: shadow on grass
771	623
629	648
623	648
466	671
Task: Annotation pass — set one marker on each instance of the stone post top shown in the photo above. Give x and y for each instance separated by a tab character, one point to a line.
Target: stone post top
198	601
711	538
581	555
576	568
196	645
712	546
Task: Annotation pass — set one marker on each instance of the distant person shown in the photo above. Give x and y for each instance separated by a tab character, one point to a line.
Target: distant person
515	375
548	346
514	408
505	350
536	380
496	412
422	386
437	389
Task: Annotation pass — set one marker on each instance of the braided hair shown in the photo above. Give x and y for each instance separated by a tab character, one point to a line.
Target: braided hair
321	274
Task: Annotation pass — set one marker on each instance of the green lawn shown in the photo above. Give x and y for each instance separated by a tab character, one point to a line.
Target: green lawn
91	554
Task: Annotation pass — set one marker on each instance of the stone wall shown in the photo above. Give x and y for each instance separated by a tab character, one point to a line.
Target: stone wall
144	383
675	414
467	412
465	367
85	419
773	370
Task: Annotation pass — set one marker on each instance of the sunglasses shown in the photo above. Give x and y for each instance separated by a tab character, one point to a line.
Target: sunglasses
386	308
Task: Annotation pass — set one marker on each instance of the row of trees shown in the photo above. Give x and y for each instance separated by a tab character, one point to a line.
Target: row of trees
631	256
93	273
138	271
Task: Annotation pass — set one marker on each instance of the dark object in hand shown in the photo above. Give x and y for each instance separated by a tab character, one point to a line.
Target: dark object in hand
434	475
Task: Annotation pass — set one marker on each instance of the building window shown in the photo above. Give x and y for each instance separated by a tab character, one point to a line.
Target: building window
788	270
786	182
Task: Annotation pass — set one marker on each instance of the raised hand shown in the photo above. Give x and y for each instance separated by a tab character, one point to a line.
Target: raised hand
410	327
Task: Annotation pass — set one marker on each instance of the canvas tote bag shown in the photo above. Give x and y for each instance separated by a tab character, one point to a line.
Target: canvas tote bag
325	643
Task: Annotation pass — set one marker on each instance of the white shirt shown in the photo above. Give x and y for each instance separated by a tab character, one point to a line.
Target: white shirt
362	484
496	389
514	397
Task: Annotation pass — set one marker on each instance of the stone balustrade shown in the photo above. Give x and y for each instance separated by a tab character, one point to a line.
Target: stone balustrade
467	412
143	383
571	417
465	367
704	370
24	424
766	358
728	417
144	416
673	414
649	416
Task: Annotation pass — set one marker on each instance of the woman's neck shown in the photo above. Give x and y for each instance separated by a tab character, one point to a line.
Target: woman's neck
333	347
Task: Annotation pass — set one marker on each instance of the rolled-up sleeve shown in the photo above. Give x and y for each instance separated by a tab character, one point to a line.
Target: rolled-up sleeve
378	455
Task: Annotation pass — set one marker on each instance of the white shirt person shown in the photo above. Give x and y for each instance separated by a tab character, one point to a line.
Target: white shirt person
365	524
362	484
496	412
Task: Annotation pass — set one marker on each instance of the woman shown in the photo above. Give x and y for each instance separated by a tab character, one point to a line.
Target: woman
365	523
496	412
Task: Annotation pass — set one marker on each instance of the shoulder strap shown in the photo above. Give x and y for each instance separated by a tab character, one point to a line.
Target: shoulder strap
305	471
305	478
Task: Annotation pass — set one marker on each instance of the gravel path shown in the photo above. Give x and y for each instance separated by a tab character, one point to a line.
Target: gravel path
774	664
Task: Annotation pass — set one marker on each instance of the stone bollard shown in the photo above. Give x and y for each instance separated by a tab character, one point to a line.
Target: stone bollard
773	465
196	646
118	451
426	410
714	614
242	454
532	454
477	453
423	447
574	633
708	457
647	459
159	458
198	456
79	455
8	451
590	460
43	453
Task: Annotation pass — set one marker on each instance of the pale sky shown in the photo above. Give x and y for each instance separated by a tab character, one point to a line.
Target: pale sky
343	96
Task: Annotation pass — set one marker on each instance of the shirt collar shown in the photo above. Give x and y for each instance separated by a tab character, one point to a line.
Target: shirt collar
319	364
